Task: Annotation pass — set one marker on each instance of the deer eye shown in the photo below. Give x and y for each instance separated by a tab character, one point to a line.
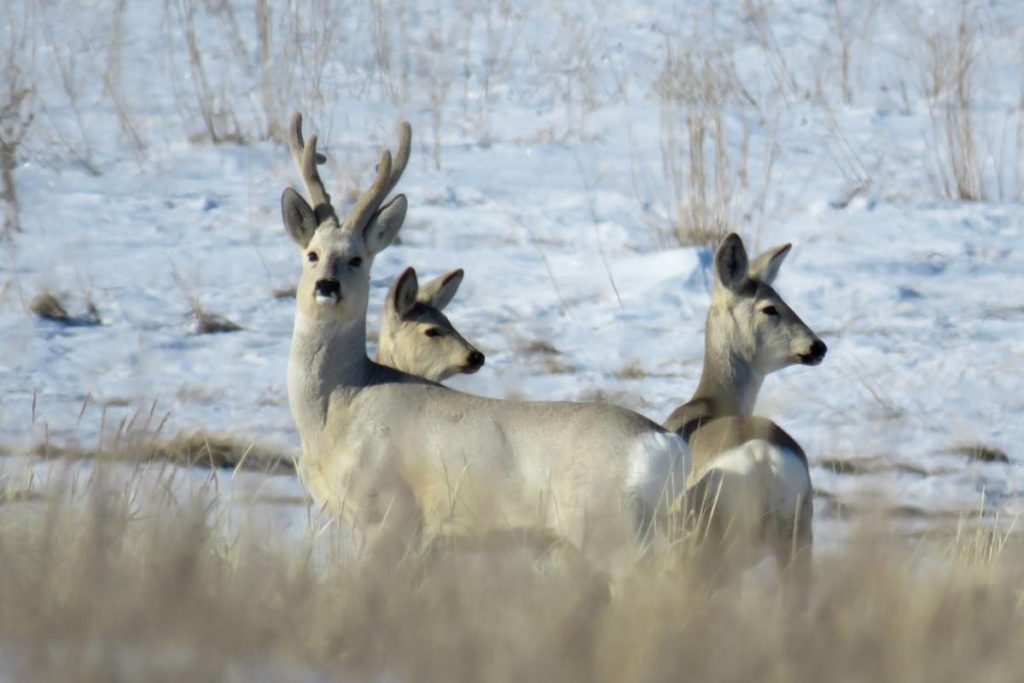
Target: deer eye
312	257
770	310
432	332
355	262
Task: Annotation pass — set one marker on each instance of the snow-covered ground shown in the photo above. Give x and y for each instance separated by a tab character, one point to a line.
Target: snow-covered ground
553	125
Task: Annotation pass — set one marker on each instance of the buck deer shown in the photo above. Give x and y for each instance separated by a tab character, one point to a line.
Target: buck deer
750	489
387	450
419	339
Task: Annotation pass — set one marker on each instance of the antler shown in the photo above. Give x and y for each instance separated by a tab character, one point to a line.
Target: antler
306	158
388	174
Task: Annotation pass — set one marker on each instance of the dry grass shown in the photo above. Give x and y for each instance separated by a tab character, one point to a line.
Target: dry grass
284	293
139	444
977	155
949	86
206	322
633	370
704	185
979	452
96	589
17	96
48	306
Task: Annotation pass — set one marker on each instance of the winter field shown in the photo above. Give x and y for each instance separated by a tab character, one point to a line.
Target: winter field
581	161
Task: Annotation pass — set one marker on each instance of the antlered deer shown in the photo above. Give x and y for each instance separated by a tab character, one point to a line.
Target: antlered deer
389	450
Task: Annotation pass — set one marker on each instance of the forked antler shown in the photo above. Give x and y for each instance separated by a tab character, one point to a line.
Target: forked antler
306	158
388	174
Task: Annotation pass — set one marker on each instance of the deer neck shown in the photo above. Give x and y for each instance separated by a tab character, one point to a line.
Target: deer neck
728	384
324	357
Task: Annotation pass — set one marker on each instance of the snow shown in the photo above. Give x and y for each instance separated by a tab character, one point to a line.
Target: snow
551	194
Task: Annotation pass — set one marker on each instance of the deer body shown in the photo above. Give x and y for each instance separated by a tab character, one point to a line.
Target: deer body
382	446
378	442
749	491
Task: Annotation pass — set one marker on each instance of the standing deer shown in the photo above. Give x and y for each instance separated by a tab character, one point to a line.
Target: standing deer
750	489
419	339
387	450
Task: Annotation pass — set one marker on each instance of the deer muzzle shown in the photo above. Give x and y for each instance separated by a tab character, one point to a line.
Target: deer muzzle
327	291
815	355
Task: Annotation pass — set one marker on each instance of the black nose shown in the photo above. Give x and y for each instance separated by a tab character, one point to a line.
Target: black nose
328	287
818	349
476	359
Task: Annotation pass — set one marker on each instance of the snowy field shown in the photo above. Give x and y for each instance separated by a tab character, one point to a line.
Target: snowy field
557	157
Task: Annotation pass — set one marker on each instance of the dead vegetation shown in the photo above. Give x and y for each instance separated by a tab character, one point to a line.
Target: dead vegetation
633	370
206	322
978	155
704	182
190	449
48	306
873	464
95	589
16	114
284	293
979	452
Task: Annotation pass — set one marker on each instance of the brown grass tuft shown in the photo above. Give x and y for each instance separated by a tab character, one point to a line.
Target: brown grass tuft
284	293
207	322
213	323
48	306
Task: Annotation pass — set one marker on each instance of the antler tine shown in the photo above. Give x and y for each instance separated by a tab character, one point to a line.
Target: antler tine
295	142
370	200
306	158
402	158
388	175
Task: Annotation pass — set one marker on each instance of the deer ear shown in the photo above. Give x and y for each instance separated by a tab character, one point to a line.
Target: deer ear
439	291
299	219
766	266
385	224
402	295
731	263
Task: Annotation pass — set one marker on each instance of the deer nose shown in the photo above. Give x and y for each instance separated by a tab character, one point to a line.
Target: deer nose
815	354
476	359
327	287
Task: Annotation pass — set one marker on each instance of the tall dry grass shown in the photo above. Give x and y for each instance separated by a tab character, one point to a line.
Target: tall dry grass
17	92
978	149
704	162
101	586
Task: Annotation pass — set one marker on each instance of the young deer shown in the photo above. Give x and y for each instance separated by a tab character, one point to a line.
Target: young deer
380	445
750	489
419	339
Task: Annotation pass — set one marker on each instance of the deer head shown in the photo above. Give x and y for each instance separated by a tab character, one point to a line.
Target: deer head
337	255
415	335
749	320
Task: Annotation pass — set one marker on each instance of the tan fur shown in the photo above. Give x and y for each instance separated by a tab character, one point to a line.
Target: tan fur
723	433
417	338
744	465
385	449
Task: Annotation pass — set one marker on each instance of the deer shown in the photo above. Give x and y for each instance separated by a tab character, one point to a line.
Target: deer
749	492
419	339
403	459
